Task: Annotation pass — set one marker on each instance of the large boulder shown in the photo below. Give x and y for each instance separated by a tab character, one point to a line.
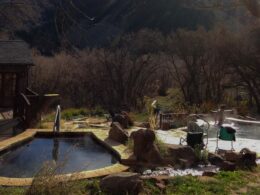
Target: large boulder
247	159
221	162
183	156
244	159
117	133
232	156
122	120
215	159
144	148
228	166
122	183
130	121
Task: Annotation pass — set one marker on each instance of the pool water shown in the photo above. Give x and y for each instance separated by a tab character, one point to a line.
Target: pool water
69	154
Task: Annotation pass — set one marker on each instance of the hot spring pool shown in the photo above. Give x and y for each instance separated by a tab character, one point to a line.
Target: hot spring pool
71	154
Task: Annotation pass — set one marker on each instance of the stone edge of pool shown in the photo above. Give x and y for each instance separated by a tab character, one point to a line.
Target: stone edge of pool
100	136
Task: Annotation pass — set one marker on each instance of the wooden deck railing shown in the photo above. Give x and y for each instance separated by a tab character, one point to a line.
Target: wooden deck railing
27	107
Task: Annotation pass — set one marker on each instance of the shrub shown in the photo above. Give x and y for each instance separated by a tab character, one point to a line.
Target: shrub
46	183
97	111
206	107
243	108
93	187
201	154
41	125
73	113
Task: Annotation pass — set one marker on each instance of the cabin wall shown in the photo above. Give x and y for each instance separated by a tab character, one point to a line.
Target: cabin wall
13	81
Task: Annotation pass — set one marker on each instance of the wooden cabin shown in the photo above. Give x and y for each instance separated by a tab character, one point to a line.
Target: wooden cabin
15	62
25	104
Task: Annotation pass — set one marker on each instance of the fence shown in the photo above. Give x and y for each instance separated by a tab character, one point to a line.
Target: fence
172	120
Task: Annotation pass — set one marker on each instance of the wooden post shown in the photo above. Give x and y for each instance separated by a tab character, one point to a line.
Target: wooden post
161	117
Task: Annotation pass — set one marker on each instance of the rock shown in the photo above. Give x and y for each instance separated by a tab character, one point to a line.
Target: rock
130	121
122	183
244	159
227	166
121	119
124	119
232	156
247	159
181	155
183	163
209	173
144	148
118	134
215	159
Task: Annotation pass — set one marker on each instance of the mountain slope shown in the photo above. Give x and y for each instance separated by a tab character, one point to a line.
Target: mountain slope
53	24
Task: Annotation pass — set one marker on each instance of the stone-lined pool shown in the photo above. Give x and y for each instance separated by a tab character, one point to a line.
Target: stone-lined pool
71	154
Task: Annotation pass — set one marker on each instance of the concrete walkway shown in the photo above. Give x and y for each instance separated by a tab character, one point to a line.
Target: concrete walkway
173	137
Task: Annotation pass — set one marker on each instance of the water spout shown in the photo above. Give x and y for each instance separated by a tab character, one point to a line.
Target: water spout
56	127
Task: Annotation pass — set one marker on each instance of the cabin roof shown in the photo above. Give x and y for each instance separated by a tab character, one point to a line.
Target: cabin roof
16	52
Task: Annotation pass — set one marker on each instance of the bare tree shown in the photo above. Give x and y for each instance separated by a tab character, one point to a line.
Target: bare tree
241	52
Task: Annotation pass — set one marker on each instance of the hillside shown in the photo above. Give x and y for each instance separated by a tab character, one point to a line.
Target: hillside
53	24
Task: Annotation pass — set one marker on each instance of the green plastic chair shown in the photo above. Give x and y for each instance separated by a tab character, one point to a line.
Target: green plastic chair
224	135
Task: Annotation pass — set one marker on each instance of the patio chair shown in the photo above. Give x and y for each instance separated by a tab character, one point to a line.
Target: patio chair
197	130
226	133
